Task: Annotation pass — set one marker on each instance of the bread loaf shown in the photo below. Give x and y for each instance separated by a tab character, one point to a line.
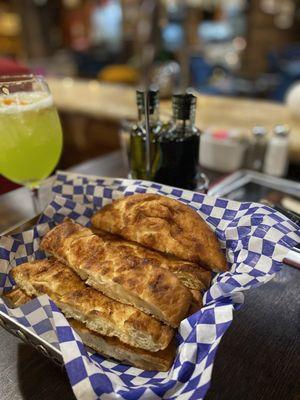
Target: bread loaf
191	275
110	347
98	312
120	271
164	224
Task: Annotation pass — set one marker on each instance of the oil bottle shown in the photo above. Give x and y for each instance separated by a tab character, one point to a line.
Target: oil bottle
138	137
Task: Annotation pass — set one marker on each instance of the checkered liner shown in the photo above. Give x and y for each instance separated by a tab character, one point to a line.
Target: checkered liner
256	239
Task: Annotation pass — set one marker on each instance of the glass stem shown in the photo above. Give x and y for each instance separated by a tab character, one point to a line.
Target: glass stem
35	200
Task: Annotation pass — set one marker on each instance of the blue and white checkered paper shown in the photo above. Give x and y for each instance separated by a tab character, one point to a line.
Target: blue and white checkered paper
255	237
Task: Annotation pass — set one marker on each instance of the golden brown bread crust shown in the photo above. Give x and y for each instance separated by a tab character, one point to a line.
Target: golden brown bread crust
110	347
163	224
16	297
96	311
196	304
191	275
121	271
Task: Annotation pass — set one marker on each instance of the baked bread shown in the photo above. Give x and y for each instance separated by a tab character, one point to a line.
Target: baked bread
96	311
120	273
164	224
191	275
110	347
16	298
196	303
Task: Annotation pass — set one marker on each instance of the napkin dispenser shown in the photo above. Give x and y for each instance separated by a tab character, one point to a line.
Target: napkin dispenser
222	150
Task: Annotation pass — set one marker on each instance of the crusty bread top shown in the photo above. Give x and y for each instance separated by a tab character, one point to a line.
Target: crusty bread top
196	304
120	272
65	233
192	275
164	224
68	291
16	297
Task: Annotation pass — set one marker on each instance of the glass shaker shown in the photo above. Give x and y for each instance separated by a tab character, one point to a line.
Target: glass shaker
256	150
277	153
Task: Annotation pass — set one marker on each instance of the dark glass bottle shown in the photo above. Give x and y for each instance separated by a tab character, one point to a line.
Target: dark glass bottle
178	146
138	137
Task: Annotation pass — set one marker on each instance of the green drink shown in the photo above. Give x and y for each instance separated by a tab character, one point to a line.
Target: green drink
30	137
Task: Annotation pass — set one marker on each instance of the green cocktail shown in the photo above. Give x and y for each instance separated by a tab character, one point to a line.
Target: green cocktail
30	136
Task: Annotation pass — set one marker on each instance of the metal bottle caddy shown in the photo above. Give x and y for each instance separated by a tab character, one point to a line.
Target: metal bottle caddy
147	126
147	37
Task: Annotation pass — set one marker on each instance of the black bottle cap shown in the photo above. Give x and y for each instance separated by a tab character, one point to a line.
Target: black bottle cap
153	100
183	105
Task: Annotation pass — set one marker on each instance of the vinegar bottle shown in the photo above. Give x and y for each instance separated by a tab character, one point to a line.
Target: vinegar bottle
178	145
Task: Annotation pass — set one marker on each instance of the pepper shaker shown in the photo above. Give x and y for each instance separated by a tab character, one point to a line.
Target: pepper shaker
256	149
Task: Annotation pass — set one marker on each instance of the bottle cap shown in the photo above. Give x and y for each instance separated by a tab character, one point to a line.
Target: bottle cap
183	105
259	131
153	100
281	130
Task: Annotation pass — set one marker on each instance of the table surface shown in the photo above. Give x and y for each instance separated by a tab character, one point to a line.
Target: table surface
258	358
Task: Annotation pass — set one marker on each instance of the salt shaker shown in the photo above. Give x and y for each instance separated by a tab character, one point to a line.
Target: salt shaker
277	153
257	148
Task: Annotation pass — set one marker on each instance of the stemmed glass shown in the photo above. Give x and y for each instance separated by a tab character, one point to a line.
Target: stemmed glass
30	131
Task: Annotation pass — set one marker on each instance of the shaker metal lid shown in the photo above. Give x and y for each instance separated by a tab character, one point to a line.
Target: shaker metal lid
259	131
281	130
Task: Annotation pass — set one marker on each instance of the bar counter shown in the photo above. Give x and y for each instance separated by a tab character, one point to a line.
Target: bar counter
117	102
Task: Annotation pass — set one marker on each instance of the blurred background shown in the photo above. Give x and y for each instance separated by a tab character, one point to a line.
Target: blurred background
244	48
241	57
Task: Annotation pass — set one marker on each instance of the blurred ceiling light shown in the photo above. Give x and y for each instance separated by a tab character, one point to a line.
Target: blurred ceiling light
10	24
71	3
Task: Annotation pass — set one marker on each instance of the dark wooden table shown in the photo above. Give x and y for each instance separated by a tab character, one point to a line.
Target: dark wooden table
258	358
